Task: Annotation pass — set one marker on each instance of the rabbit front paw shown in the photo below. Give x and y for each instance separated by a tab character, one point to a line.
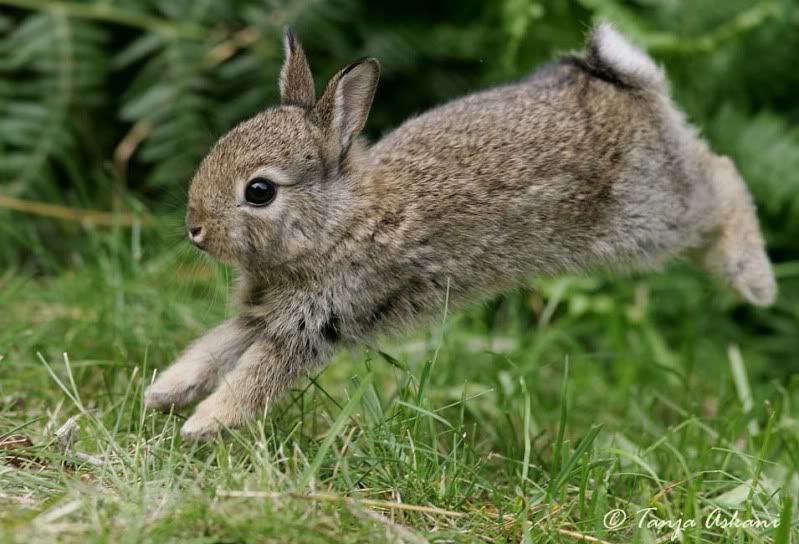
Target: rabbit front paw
212	416
196	372
177	386
201	427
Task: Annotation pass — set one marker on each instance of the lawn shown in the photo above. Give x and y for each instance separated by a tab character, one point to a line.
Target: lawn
601	409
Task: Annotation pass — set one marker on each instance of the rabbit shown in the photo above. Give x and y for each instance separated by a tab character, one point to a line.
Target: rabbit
586	164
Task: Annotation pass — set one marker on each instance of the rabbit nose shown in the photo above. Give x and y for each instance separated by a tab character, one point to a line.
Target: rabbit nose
196	234
194	227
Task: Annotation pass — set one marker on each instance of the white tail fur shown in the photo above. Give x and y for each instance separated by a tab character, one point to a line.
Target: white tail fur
611	52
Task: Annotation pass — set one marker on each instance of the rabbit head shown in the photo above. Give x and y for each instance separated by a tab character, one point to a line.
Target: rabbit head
274	187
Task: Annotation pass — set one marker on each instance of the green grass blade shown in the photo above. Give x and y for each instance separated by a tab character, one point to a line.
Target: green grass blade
334	432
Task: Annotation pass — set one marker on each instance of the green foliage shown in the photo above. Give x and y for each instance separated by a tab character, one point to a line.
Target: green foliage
53	69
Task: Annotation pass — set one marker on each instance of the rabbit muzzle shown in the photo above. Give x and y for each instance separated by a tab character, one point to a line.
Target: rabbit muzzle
195	229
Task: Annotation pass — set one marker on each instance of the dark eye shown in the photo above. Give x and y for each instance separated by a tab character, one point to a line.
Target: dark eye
260	192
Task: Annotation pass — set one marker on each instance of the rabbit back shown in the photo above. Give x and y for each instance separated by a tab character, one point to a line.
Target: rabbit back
586	164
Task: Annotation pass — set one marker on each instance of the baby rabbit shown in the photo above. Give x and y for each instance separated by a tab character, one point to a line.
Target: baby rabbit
585	164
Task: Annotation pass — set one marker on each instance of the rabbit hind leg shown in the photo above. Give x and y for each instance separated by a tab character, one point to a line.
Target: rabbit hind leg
736	252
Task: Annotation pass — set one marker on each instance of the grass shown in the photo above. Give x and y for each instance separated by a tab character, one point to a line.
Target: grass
544	416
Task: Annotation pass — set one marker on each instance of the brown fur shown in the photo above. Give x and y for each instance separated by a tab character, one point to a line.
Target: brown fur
585	164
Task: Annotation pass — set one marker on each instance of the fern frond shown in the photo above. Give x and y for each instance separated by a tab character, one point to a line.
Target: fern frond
172	92
59	66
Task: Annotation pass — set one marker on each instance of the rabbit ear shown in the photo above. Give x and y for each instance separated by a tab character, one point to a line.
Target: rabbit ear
345	104
296	81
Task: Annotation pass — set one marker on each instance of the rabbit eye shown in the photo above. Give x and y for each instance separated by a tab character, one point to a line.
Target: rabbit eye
260	192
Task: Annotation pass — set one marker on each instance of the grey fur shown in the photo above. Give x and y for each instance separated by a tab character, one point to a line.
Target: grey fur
586	164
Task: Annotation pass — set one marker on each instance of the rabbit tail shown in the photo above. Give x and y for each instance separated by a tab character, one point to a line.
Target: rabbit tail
614	56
